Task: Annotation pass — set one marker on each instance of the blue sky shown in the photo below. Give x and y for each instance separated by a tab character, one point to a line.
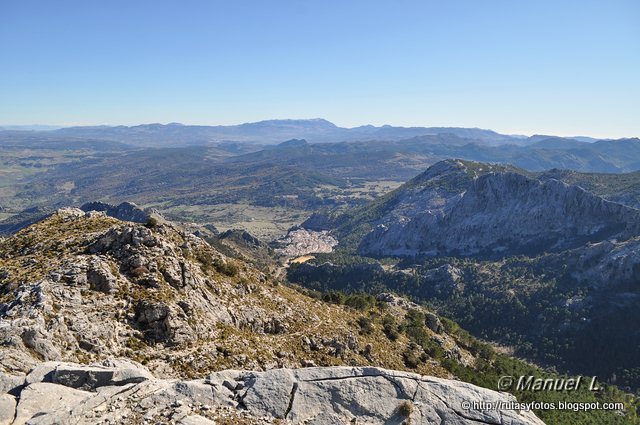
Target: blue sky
554	67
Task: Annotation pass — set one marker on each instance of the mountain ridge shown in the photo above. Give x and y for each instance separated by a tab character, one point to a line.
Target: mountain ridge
315	130
468	208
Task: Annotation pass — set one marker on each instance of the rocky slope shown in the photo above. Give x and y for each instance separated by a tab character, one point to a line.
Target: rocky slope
83	287
470	209
607	263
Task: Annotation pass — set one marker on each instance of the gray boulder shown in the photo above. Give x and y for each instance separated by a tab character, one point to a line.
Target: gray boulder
433	322
8	383
100	277
7	409
88	377
42	397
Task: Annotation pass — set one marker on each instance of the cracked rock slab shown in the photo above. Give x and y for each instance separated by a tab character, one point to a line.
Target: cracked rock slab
310	396
368	395
43	397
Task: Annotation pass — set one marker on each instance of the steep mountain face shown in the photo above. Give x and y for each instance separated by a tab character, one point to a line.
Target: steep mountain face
300	241
433	192
493	214
621	188
607	263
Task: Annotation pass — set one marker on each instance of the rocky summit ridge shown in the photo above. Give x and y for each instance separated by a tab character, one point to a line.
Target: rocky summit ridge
106	321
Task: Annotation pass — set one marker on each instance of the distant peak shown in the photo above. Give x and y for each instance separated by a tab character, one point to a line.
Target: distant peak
472	169
293	143
447	165
322	120
309	121
440	168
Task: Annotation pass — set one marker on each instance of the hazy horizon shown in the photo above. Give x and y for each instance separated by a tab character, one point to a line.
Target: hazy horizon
51	127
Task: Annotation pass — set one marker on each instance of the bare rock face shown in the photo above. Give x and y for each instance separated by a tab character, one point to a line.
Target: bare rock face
239	234
100	277
113	372
607	263
36	399
433	322
495	214
153	319
7	409
10	382
445	277
332	395
368	395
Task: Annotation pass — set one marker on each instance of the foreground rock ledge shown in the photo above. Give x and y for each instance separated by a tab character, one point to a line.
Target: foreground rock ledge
124	392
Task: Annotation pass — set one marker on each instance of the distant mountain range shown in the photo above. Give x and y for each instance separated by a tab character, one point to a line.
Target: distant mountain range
294	174
267	132
34	127
404	158
320	144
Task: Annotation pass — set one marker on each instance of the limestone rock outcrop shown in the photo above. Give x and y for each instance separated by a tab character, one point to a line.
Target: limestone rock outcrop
68	393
